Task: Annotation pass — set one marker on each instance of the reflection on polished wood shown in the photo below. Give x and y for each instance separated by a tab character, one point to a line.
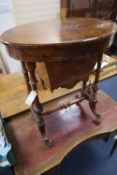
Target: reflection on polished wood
69	49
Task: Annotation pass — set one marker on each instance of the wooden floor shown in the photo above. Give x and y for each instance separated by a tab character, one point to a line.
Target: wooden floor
67	128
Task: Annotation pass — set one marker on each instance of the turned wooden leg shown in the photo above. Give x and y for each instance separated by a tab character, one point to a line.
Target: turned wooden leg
93	100
97	74
89	93
37	107
25	72
95	88
92	103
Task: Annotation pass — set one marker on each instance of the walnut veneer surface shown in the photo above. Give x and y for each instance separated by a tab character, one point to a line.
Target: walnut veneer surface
38	35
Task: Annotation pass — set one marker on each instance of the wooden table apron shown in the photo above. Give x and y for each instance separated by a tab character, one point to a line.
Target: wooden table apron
79	42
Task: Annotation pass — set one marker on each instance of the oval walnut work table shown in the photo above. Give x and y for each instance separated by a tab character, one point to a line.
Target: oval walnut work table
67	50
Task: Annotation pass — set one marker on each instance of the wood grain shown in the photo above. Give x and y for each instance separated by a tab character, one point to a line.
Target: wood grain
59	40
57	32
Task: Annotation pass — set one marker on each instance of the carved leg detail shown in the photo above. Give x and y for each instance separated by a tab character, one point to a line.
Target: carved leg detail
37	108
41	125
92	104
89	92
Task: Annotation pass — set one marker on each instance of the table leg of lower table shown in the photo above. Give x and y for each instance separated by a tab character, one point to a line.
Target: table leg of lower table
53	171
37	107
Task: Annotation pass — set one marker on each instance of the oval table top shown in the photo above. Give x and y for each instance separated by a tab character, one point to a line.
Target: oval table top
55	32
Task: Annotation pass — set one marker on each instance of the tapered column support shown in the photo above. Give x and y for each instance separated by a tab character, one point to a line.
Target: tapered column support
37	108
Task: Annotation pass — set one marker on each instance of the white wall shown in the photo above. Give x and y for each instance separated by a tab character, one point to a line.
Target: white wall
32	10
7	21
